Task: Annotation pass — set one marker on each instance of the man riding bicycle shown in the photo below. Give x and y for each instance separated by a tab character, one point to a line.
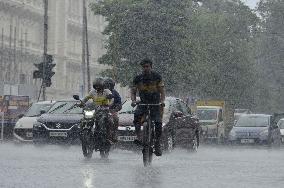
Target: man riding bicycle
150	86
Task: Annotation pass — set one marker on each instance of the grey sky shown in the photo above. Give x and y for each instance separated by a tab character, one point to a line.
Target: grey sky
251	3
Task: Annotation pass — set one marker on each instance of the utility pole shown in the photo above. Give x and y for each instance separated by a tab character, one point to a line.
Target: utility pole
87	45
9	53
44	47
83	66
21	53
2	57
14	67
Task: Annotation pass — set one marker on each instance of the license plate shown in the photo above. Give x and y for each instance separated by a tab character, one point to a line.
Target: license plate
29	134
247	141
126	138
59	134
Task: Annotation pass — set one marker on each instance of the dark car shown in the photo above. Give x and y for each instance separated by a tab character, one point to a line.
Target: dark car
180	128
255	128
61	123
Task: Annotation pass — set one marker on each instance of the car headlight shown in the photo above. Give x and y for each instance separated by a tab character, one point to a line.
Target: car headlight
18	125
232	133
38	125
89	114
264	133
77	125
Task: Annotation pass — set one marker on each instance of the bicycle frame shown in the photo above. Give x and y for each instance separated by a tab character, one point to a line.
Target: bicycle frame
148	136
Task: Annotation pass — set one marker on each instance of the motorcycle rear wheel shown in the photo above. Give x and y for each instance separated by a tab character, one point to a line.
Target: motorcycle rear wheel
104	154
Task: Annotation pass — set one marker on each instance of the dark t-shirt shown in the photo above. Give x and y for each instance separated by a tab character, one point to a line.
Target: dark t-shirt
148	87
116	100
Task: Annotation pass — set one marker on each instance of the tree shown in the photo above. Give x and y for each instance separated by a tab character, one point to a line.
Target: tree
270	56
200	49
225	32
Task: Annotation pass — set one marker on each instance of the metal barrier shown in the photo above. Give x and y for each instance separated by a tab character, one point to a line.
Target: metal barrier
2	125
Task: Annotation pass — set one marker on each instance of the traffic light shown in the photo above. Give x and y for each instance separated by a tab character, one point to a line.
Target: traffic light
48	70
45	70
38	73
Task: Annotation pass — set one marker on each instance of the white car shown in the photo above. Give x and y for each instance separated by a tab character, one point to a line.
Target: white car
23	130
280	124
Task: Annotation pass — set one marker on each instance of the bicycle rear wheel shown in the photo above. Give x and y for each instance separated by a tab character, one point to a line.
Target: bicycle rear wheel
147	156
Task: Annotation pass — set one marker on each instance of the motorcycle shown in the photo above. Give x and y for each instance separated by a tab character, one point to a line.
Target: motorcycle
93	130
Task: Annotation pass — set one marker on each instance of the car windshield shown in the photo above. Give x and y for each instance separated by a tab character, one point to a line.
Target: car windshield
35	109
65	107
241	111
128	109
207	114
253	121
281	124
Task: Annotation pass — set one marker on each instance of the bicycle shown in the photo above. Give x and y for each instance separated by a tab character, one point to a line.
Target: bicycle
148	141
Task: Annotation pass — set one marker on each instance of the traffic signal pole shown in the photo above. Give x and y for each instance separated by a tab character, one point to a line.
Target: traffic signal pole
45	48
83	66
87	45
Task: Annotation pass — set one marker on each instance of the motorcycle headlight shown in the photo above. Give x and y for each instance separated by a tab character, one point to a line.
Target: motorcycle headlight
89	114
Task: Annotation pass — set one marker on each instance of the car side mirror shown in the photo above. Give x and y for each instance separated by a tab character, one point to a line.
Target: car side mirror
177	114
20	116
76	97
42	112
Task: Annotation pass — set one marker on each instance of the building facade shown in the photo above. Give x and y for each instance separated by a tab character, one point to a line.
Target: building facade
21	31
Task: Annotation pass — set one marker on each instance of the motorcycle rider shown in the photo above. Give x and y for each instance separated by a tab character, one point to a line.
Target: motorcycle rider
150	86
103	99
116	105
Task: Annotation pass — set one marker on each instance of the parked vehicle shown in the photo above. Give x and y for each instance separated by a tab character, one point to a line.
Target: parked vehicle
61	123
280	124
23	130
216	119
93	130
255	129
12	106
180	128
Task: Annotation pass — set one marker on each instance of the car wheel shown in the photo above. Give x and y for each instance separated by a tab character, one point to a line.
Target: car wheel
277	143
194	144
221	139
38	144
168	142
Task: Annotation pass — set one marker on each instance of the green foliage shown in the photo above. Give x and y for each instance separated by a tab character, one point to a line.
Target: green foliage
270	56
201	49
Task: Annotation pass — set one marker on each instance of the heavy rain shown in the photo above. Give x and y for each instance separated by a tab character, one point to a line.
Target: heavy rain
141	93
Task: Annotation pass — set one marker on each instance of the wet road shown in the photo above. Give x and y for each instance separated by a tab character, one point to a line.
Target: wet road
55	166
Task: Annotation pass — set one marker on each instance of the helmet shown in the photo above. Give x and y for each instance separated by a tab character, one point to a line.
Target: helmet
109	83
98	83
146	61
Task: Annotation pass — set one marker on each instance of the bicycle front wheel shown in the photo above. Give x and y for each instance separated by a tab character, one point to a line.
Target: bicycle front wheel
147	140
